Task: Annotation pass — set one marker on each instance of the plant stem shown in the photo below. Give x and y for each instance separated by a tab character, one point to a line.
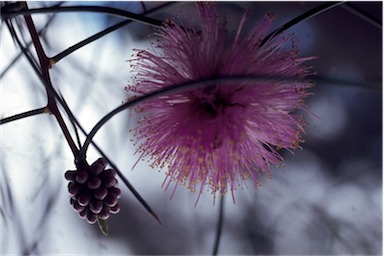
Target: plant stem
175	88
24	115
86	41
98	35
219	227
45	66
309	14
13	62
88	8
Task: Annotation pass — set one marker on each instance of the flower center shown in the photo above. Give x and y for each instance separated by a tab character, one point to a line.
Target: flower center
213	109
211	103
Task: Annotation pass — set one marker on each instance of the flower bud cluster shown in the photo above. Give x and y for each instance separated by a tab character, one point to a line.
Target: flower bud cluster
93	191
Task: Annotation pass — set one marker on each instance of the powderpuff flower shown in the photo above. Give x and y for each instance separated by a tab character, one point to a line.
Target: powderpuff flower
222	134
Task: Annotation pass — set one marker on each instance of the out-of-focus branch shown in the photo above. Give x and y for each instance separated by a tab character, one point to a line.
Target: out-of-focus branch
219	227
363	15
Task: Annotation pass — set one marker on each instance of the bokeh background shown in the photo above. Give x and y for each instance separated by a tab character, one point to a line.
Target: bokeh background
326	200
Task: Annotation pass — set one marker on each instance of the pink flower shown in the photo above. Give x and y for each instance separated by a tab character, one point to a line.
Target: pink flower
219	135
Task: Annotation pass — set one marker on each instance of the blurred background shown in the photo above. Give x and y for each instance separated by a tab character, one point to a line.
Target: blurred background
326	200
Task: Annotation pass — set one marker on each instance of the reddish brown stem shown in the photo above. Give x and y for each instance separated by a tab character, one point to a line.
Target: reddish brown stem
45	66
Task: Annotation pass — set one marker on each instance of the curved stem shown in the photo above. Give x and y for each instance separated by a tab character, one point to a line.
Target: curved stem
24	115
98	35
88	8
219	227
86	41
172	89
204	83
307	15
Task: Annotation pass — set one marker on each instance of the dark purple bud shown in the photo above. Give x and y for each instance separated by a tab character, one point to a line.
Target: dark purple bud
70	175
115	209
84	199
98	166
100	193
115	192
83	213
96	206
91	217
110	200
74	188
104	214
77	207
94	183
107	175
82	176
110	182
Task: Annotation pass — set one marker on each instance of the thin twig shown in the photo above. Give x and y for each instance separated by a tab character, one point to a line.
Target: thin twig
219	227
307	15
24	115
89	8
98	35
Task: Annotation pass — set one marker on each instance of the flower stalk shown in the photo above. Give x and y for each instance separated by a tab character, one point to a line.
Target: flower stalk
45	65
